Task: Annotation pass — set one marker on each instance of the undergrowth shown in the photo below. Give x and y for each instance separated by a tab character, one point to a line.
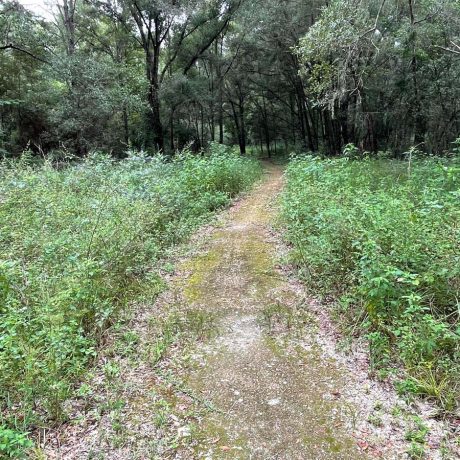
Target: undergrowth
77	244
382	237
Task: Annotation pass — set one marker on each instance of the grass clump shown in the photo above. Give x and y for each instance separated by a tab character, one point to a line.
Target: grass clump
384	240
76	245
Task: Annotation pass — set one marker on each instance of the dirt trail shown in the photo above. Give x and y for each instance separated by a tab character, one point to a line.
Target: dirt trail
274	399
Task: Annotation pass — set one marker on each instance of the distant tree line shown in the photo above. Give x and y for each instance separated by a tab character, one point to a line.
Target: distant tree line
158	75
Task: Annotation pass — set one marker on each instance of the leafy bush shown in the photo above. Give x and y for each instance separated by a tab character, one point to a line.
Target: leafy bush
13	443
384	240
75	244
352	152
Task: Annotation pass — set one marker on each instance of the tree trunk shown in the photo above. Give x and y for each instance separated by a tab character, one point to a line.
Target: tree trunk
418	122
343	118
153	97
220	90
202	126
266	128
243	129
303	116
125	126
171	132
68	16
238	117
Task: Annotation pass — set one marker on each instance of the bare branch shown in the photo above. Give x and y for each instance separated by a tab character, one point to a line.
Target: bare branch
450	50
10	46
376	20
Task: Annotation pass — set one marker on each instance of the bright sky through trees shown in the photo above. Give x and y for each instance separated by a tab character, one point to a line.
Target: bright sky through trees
38	7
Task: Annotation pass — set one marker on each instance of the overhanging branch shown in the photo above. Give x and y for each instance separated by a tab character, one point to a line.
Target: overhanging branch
10	46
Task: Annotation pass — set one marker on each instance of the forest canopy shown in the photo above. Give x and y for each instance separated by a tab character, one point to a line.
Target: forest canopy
115	75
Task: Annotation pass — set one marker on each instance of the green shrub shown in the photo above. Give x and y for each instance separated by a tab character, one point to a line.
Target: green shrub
384	240
75	245
13	443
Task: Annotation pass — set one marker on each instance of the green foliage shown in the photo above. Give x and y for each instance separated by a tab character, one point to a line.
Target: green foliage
346	55
80	242
456	148
417	436
352	152
383	239
13	443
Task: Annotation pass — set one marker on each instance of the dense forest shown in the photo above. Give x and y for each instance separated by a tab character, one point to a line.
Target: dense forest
119	75
229	229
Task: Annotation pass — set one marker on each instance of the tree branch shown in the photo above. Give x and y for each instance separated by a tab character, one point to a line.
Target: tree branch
10	46
449	50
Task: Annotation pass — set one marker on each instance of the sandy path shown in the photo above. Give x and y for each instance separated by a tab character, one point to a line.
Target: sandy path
274	400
